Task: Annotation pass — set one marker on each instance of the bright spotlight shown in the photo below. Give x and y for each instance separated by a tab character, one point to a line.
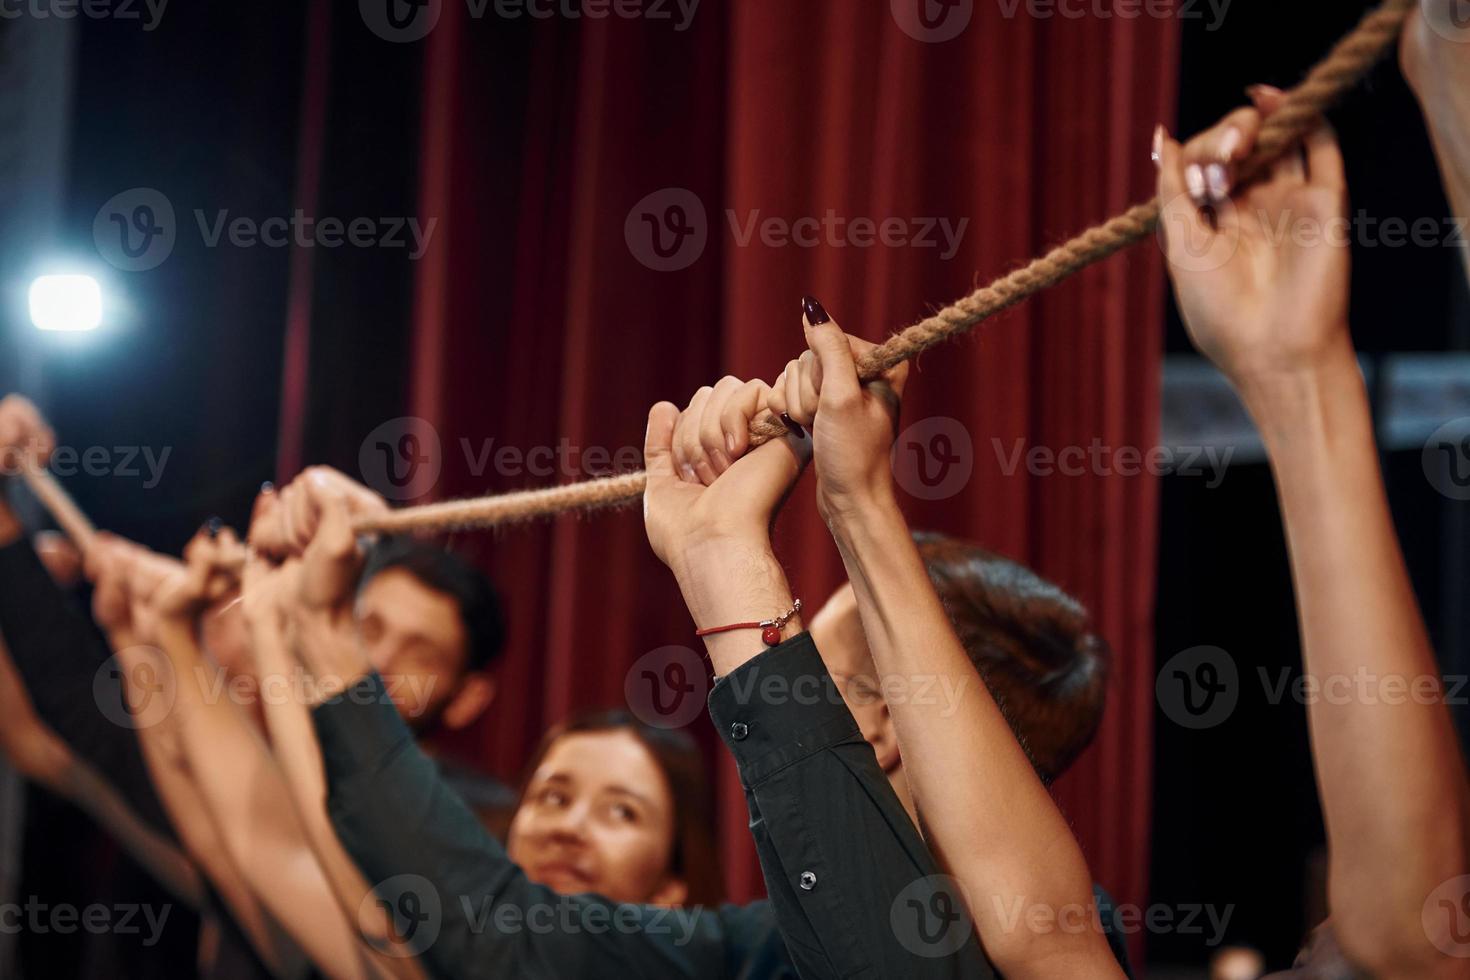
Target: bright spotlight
66	303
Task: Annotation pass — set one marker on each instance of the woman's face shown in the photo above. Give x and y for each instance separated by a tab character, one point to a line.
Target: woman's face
598	816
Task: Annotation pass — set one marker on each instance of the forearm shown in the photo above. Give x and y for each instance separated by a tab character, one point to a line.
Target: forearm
986	813
242	788
734	580
1390	774
294	745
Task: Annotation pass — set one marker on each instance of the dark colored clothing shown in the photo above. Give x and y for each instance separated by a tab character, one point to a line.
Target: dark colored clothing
69	674
840	856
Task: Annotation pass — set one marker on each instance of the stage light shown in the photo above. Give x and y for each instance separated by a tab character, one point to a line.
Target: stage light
66	302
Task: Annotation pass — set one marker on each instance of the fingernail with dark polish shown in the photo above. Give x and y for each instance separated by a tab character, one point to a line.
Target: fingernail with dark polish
794	427
267	487
813	310
213	526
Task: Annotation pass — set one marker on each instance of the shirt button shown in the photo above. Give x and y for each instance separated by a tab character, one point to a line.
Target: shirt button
808	880
739	730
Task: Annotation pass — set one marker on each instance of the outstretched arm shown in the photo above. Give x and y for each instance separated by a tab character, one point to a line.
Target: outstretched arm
994	826
1271	312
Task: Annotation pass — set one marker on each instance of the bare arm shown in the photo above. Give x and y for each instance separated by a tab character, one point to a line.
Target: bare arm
993	825
38	754
242	787
1273	316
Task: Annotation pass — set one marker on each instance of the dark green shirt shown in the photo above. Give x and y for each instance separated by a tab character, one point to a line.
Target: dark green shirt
851	885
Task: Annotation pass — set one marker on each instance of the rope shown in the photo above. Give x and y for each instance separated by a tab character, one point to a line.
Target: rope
1341	70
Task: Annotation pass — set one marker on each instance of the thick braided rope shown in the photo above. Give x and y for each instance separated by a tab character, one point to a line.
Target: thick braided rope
1340	71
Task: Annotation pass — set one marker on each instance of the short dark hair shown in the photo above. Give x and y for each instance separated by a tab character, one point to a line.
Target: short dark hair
443	571
1034	646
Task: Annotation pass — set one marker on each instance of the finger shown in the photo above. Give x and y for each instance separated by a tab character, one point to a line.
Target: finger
895	378
658	437
695	468
712	441
1266	98
302	512
1184	226
358	498
810	387
1324	159
1211	158
840	385
792	393
740	408
776	395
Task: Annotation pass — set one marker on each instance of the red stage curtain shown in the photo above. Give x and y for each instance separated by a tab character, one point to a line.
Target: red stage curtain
536	324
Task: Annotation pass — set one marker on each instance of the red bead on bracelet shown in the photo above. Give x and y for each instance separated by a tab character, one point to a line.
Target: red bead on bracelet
770	628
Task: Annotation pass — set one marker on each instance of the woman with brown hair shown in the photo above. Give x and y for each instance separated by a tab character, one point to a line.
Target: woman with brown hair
615	806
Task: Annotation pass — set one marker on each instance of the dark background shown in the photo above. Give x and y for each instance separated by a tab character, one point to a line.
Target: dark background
210	110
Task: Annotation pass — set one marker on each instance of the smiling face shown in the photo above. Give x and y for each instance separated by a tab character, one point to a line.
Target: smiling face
598	816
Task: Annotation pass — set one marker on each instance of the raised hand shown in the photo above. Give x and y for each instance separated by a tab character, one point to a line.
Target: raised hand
1261	271
25	438
290	522
852	424
703	485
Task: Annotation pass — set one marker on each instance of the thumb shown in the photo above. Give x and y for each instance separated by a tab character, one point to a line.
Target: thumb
839	378
658	441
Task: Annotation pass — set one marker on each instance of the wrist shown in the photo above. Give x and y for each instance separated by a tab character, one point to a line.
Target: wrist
1274	397
850	516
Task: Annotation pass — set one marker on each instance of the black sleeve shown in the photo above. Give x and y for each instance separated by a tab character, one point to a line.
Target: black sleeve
462	905
856	892
72	678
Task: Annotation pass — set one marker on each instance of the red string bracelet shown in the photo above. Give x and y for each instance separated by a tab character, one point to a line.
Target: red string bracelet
770	628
